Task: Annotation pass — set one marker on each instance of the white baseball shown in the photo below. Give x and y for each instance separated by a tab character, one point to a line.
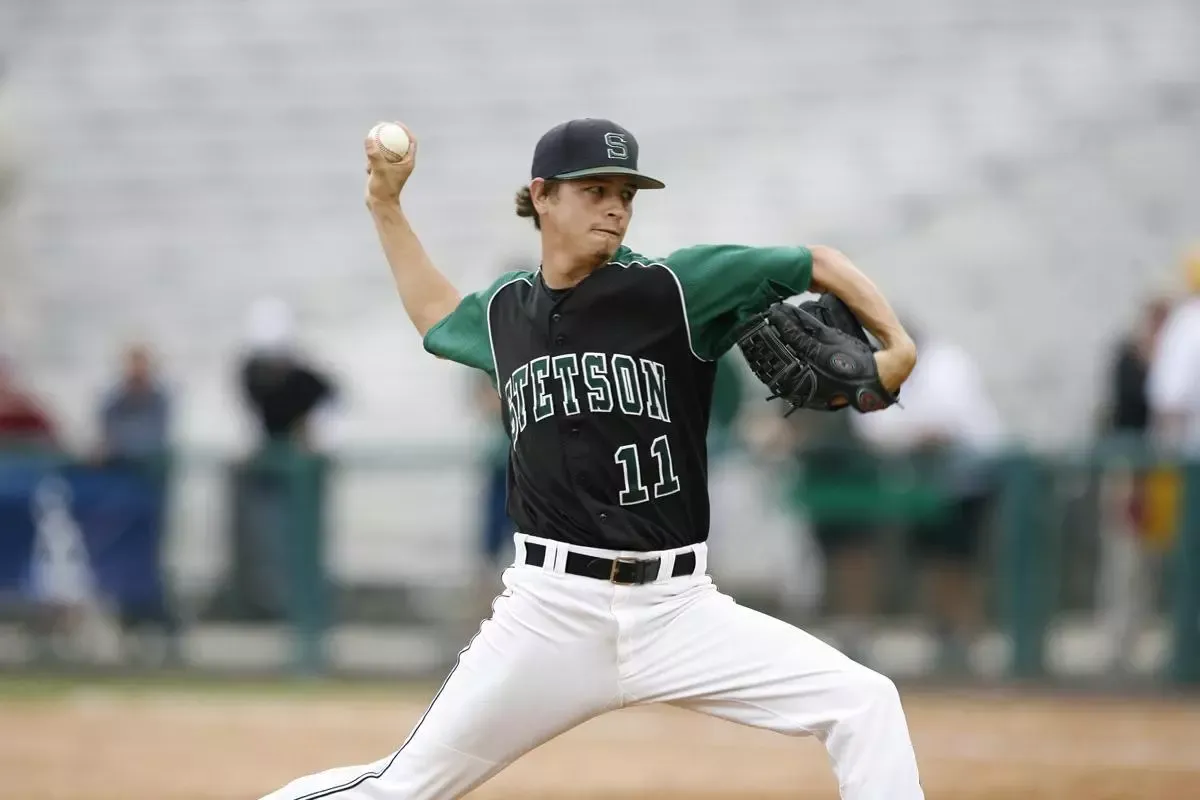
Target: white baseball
391	140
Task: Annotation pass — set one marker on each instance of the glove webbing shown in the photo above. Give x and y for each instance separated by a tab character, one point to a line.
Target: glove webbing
766	354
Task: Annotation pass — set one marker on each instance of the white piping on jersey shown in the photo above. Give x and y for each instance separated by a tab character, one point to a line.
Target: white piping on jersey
682	301
487	320
529	279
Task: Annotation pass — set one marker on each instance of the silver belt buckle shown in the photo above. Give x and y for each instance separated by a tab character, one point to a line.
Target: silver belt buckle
612	574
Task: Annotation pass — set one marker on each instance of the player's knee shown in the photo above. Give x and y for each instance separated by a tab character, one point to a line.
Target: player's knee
875	693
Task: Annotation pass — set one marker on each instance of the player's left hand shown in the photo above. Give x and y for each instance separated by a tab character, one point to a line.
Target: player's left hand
818	356
894	365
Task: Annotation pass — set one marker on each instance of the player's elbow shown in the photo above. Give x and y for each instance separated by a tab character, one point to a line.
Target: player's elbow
831	269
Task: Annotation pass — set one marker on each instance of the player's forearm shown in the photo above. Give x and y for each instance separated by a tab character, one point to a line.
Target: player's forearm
834	272
425	292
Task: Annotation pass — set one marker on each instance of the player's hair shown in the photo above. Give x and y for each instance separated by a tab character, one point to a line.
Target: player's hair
525	203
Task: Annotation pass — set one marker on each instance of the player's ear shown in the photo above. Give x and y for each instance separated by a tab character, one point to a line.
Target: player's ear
541	192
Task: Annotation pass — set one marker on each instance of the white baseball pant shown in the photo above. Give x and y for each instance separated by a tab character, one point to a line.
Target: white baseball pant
576	647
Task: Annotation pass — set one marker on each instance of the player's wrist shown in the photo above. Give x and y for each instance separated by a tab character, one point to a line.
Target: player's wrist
383	205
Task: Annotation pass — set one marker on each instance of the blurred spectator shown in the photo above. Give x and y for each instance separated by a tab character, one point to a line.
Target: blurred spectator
1173	382
292	403
835	490
948	429
135	414
1173	395
135	419
56	577
1128	408
1148	503
284	392
23	421
1133	512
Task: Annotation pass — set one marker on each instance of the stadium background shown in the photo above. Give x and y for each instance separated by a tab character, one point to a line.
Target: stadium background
1019	177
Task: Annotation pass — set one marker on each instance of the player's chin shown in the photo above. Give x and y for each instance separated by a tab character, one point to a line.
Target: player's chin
606	242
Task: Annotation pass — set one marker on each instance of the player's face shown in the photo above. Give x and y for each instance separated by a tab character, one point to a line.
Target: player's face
591	215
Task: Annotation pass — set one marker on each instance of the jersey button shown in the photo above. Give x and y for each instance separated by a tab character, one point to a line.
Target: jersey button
560	339
556	318
603	516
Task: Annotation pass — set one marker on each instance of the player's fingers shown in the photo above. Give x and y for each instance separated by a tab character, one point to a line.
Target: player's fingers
412	143
374	157
377	161
409	156
371	146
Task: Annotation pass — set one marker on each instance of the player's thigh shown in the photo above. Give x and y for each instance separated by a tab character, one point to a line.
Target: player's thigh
730	661
540	665
536	667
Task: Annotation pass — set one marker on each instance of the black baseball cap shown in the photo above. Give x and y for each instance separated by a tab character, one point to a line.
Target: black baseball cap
582	148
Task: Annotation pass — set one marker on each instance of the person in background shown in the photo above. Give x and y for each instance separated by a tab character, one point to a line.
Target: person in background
135	414
135	423
1131	498
1152	499
829	495
1173	380
285	393
834	487
948	429
1128	406
24	423
292	403
53	576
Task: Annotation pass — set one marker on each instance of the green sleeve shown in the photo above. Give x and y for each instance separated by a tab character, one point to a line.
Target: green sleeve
463	335
723	285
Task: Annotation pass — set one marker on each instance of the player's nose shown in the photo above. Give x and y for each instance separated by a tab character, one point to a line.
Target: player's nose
616	211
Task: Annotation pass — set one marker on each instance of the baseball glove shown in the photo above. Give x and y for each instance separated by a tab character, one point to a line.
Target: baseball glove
815	355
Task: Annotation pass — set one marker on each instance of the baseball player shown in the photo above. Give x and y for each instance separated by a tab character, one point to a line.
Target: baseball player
604	361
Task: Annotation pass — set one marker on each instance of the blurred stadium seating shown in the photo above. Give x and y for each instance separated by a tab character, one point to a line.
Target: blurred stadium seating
210	150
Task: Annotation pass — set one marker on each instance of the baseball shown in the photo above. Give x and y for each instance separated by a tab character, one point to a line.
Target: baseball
391	140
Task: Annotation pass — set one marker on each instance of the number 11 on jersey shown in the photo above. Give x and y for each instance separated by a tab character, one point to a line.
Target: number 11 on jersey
635	490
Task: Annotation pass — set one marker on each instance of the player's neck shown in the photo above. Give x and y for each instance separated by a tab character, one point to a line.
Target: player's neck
562	271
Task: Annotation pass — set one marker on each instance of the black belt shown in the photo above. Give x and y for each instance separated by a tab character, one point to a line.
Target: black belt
625	571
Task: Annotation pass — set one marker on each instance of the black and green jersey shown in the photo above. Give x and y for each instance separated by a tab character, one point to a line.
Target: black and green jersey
607	387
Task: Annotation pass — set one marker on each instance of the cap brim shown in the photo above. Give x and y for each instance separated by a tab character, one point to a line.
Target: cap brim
636	178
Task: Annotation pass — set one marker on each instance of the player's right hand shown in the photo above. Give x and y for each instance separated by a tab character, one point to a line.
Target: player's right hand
386	178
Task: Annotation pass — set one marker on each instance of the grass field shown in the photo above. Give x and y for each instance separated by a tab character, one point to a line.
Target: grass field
177	740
